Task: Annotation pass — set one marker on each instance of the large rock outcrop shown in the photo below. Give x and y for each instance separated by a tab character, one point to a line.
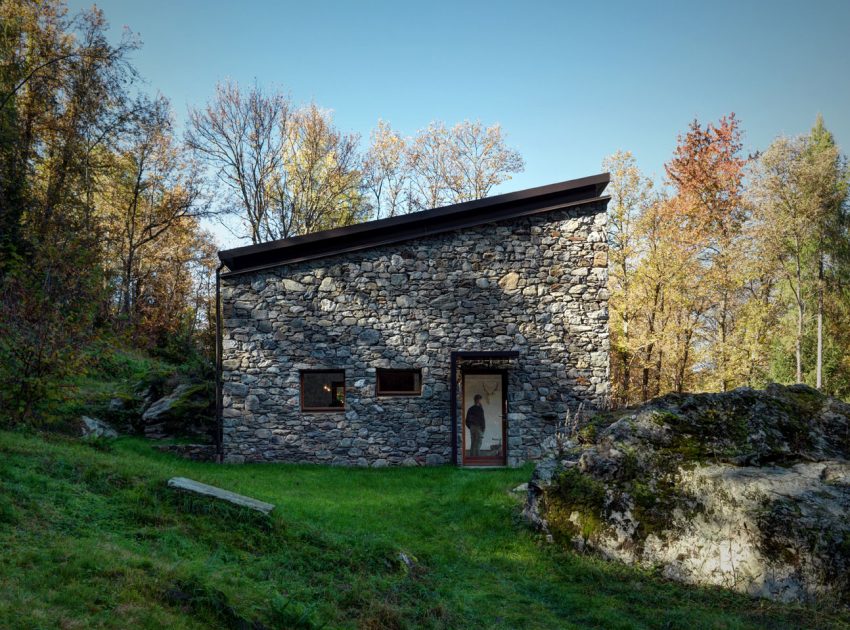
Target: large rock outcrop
163	405
749	490
188	409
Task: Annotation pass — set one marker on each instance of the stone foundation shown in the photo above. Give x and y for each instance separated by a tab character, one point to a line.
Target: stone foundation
194	452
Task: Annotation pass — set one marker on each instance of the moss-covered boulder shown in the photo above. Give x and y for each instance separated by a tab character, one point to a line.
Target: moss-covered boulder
747	489
186	410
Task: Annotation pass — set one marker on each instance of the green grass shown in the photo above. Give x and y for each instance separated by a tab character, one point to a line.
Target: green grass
92	538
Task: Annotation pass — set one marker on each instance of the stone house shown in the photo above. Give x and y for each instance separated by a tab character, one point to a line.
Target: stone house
460	335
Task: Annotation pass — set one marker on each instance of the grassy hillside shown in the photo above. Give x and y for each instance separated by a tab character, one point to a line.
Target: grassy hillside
105	373
92	538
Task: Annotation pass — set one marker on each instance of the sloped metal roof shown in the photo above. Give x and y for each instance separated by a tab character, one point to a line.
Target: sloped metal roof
574	192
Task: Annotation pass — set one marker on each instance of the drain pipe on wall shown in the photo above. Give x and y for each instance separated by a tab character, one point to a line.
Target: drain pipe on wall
219	423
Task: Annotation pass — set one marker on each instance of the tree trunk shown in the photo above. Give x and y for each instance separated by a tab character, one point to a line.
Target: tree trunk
644	390
724	381
819	377
627	377
625	357
683	366
126	283
650	333
798	342
658	366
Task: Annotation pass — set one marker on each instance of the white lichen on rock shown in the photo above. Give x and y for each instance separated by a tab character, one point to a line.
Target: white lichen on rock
748	490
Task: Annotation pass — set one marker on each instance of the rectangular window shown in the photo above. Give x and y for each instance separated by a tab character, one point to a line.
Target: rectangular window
322	390
399	382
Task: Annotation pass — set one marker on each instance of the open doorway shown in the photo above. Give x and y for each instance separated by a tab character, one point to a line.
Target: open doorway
485	411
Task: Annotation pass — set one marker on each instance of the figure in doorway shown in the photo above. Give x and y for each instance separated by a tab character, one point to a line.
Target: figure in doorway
475	424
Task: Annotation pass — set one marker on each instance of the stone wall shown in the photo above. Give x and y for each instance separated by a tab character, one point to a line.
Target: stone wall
535	284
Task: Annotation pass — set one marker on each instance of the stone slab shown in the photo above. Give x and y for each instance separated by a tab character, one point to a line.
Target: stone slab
190	485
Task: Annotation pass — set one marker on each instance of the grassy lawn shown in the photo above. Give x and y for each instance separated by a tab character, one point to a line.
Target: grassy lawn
90	537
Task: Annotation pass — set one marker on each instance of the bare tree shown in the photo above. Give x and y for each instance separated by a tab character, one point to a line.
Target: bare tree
289	170
429	158
480	160
458	164
239	136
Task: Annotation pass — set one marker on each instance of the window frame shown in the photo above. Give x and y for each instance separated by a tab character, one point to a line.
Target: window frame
302	373
405	393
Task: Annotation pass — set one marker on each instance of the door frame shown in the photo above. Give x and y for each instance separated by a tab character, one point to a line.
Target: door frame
486	460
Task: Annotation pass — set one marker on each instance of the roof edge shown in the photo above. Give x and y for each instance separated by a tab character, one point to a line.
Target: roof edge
598	182
317	254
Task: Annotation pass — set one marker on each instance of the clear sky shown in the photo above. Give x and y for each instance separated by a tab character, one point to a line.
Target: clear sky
569	82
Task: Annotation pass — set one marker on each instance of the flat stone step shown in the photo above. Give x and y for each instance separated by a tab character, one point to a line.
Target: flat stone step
190	485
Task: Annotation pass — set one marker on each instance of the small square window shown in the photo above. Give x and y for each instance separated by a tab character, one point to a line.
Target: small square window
398	382
323	390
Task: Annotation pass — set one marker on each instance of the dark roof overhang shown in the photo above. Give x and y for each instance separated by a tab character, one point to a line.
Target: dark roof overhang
351	238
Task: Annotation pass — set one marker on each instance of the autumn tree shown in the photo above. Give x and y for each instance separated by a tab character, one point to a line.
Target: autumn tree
480	160
319	186
386	175
707	173
676	283
799	192
826	187
700	272
785	222
684	282
287	170
152	186
16	19
173	290
631	195
93	187
459	164
667	300
760	311
63	102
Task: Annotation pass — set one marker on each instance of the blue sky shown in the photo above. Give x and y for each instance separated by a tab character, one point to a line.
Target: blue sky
570	83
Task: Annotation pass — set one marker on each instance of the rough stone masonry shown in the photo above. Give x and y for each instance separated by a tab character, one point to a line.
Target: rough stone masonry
534	284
